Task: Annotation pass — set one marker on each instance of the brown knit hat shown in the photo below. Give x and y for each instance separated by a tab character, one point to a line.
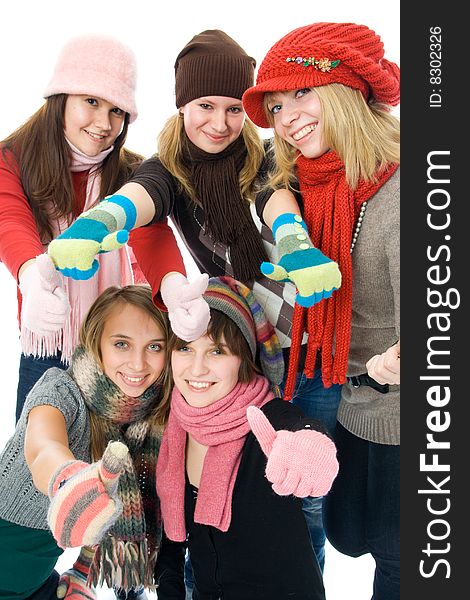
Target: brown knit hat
212	64
325	53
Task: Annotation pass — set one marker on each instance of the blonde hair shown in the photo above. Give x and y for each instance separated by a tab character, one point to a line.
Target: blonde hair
170	152
90	336
365	136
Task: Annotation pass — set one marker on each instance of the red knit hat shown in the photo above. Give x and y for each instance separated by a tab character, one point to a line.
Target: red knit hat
320	54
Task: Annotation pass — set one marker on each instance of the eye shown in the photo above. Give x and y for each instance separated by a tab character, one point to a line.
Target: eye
302	92
155	347
183	349
92	101
118	111
274	109
121	345
236	110
205	106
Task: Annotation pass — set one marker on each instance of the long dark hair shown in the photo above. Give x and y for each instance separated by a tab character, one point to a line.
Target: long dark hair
42	155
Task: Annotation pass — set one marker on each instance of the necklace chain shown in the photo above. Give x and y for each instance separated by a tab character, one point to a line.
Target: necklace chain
358	225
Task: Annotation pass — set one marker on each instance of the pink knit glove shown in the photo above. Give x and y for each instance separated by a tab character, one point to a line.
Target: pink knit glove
188	312
302	463
84	499
72	583
45	305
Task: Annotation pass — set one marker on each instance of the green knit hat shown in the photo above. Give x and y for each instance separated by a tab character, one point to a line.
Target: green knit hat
238	302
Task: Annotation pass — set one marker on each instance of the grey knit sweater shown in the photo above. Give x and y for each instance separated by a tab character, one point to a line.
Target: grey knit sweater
20	501
375	316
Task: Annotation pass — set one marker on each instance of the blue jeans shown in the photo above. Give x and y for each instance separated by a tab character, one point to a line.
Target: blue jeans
31	369
362	510
320	403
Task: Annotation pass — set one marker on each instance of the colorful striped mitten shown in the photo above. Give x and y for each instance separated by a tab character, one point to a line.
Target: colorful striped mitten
302	463
72	583
84	500
101	229
315	275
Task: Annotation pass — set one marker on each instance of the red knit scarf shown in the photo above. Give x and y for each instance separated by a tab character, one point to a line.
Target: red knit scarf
331	209
222	427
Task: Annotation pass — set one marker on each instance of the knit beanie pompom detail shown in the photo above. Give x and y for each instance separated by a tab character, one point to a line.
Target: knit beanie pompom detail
212	64
98	66
323	53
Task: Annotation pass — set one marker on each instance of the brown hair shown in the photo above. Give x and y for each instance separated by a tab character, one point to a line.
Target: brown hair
42	154
91	332
221	326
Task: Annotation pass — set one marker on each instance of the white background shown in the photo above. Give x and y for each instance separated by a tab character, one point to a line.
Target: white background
33	33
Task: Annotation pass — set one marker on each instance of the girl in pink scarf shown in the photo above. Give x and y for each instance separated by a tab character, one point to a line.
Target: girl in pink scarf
228	445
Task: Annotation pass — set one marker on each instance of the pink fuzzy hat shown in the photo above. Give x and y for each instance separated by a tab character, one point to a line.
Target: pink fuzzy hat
100	66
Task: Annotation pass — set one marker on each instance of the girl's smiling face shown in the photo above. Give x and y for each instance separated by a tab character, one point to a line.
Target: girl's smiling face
132	349
204	371
92	124
297	118
212	123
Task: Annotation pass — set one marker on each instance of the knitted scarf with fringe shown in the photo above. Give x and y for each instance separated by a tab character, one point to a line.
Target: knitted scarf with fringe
331	209
227	217
115	269
223	427
127	555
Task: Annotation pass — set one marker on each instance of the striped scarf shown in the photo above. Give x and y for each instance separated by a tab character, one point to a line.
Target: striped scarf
331	209
127	555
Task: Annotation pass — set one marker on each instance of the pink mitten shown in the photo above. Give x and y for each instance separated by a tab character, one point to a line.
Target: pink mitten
302	463
187	310
72	583
45	305
84	499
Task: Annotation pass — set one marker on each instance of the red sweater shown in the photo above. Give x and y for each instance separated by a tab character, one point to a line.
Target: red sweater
20	241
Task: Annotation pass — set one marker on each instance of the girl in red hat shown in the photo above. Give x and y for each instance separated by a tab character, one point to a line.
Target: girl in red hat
327	91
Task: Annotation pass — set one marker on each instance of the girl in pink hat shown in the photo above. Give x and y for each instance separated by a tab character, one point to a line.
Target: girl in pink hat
60	162
327	91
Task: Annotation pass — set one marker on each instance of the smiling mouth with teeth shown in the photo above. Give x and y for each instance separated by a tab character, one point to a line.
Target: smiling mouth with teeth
200	385
304	131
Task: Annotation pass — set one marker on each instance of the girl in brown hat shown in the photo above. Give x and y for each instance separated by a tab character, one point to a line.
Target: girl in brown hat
210	164
327	91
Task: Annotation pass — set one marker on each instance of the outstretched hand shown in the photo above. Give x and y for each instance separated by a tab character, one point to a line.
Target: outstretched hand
188	312
45	306
84	498
302	463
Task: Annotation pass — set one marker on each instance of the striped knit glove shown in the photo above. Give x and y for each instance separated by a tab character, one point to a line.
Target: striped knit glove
84	499
302	463
72	583
315	275
103	228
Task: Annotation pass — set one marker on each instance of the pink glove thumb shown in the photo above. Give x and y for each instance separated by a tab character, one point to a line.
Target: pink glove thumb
261	427
45	306
302	463
188	312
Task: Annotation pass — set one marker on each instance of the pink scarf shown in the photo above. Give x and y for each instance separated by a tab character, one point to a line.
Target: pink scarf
115	269
223	427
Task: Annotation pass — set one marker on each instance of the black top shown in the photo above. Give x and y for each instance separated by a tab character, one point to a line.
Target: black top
266	554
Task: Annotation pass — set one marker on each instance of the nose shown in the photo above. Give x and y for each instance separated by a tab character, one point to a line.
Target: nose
289	113
198	365
137	360
102	120
219	121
